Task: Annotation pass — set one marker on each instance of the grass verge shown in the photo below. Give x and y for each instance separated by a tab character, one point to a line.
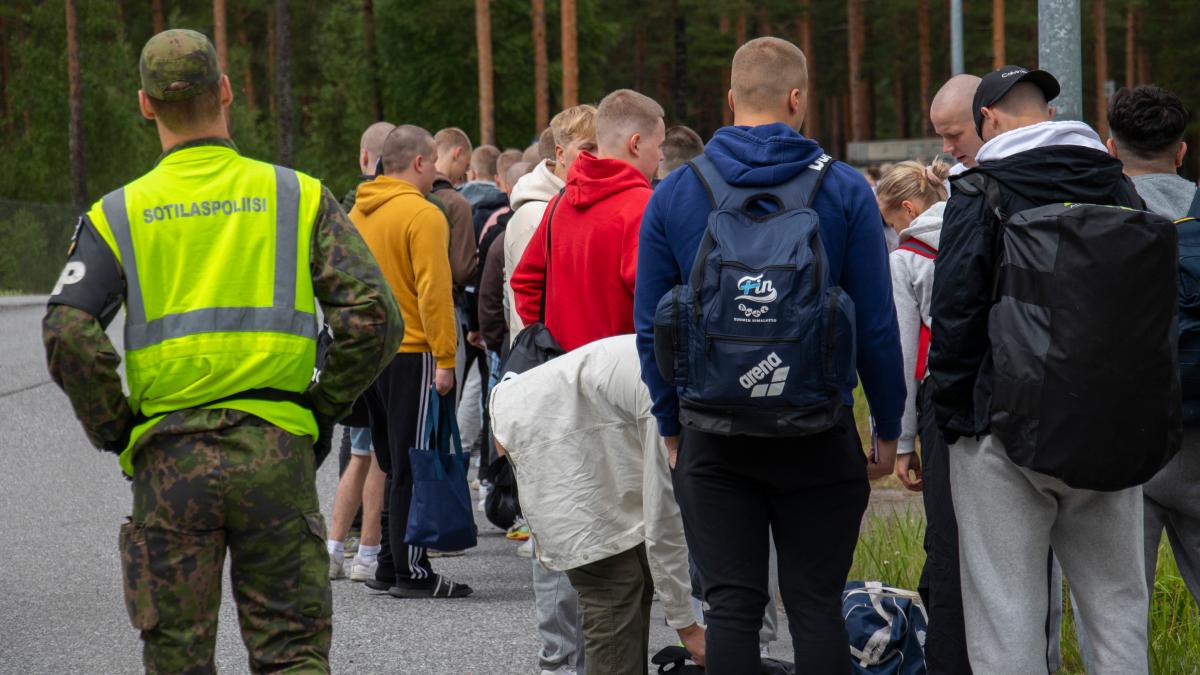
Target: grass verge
890	550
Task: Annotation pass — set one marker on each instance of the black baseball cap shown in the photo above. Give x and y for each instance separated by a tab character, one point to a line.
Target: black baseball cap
996	84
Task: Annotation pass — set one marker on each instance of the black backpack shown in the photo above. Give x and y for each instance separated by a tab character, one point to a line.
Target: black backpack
1189	311
1083	339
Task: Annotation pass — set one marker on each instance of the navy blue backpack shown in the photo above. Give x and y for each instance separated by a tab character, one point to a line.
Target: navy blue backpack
758	341
1189	312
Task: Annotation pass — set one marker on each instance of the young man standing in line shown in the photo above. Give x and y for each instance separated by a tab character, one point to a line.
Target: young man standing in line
571	131
811	491
409	238
1009	516
1147	124
594	229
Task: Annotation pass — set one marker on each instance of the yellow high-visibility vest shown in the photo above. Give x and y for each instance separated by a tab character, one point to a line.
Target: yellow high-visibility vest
215	249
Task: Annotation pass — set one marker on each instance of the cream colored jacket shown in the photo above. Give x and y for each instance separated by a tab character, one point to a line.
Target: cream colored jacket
591	467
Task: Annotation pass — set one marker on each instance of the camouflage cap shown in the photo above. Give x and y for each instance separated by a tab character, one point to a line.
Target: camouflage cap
178	64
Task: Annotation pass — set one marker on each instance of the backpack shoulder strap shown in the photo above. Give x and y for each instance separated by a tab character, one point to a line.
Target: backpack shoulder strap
920	248
1194	209
546	268
798	192
977	182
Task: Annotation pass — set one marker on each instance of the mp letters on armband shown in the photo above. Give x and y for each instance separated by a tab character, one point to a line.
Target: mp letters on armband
75	270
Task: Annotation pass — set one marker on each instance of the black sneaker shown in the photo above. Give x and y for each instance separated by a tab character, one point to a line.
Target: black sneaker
437	587
378	586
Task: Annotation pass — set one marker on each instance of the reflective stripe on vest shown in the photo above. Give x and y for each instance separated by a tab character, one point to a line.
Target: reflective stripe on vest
281	317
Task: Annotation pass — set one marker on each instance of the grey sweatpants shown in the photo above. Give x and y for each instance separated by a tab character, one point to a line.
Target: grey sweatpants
1008	519
1172	501
559	620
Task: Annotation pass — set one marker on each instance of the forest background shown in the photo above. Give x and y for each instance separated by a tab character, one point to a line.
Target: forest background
309	76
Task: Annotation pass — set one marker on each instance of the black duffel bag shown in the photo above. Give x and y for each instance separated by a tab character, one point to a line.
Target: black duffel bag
502	505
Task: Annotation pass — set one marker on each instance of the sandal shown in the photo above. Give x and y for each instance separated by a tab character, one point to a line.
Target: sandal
438	587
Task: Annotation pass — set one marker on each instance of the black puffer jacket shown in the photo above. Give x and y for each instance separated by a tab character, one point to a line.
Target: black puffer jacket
960	357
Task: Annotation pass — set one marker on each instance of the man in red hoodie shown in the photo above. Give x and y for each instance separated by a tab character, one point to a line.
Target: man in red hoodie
587	280
594	229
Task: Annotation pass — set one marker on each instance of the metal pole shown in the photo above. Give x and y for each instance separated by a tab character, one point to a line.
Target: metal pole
1060	53
956	38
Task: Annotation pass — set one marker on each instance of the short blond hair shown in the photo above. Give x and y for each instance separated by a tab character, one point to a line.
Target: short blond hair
623	113
483	162
764	72
452	137
506	160
576	122
912	181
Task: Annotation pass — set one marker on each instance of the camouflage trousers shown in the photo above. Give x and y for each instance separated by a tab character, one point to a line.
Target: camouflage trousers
210	480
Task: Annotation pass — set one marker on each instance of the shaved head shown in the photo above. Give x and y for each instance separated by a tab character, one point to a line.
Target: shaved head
1024	105
373	137
403	145
952	118
764	74
954	98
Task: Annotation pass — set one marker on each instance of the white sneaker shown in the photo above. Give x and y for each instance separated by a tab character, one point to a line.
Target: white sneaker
525	550
337	569
561	670
361	571
484	489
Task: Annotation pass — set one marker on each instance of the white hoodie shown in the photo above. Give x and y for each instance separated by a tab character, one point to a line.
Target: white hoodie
912	289
1053	132
529	198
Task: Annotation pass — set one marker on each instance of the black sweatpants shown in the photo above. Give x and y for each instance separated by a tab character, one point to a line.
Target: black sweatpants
940	585
811	492
399	402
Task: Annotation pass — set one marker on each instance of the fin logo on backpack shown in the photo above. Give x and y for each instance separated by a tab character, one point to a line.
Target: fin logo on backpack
758	290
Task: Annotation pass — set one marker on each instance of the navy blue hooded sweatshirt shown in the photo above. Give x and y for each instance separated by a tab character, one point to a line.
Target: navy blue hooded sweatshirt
851	230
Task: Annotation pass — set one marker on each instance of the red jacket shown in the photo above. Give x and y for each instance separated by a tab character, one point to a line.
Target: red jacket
593	263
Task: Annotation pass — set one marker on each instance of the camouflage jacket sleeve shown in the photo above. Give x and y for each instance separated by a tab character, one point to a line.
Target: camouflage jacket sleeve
81	358
359	309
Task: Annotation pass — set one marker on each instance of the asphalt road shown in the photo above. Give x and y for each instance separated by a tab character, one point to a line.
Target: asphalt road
61	607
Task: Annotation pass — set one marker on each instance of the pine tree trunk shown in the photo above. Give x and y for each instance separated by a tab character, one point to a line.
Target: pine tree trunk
726	114
75	106
812	120
1100	39
220	37
483	45
570	55
1130	74
764	21
4	77
855	26
156	11
740	34
1143	59
679	92
285	150
639	59
248	71
372	59
541	78
998	58
924	63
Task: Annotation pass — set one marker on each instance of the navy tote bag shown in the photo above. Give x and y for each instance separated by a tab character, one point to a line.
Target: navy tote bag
440	517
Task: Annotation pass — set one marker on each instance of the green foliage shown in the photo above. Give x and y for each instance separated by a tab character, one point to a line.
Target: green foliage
890	550
35	240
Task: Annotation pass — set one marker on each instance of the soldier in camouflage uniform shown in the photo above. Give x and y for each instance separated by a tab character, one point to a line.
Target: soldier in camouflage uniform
210	479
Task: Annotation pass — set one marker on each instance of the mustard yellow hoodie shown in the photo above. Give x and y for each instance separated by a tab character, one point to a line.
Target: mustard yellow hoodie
410	238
